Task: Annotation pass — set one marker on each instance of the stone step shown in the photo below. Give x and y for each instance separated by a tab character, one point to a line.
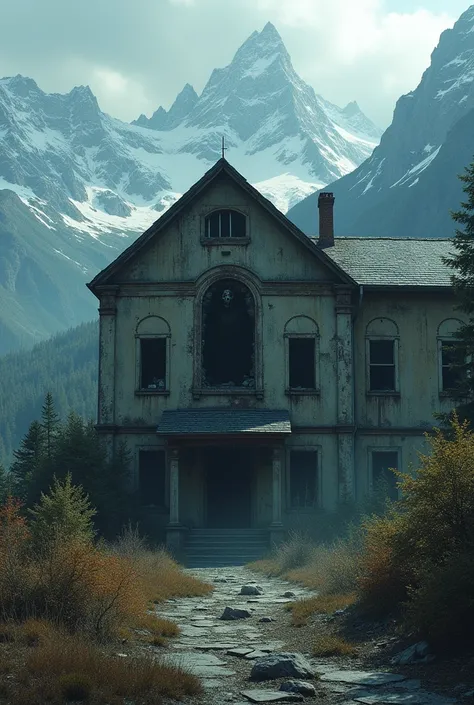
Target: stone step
222	547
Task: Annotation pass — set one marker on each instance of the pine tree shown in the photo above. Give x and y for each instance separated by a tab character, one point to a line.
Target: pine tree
64	513
462	261
50	424
27	466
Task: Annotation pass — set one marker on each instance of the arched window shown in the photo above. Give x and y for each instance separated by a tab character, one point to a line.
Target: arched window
451	356
382	356
152	355
225	224
228	335
301	343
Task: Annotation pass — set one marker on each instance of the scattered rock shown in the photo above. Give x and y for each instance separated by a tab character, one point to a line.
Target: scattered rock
288	593
239	651
271	696
220	580
255	654
302	687
266	619
234	613
251	590
281	665
417	653
372	678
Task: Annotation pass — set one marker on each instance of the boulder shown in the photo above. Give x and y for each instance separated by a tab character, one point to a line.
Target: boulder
266	619
416	653
302	687
251	590
233	613
289	593
281	665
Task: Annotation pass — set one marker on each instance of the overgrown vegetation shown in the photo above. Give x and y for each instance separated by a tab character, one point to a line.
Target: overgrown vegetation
68	601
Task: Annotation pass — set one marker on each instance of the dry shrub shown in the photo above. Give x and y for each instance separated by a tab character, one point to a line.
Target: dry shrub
331	569
155	629
383	576
332	645
66	668
302	610
293	553
161	577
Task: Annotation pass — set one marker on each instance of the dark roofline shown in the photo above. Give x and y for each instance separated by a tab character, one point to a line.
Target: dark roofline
392	239
222	166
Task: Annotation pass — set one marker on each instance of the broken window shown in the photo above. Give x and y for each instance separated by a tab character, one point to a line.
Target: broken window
228	335
301	361
153	363
303	479
384	481
382	371
152	477
225	223
452	361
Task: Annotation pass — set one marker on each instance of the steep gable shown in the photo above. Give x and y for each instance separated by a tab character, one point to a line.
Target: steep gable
167	244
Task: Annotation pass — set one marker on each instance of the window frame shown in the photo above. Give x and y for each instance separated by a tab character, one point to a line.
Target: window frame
382	449
163	508
382	392
317	449
138	364
450	392
219	241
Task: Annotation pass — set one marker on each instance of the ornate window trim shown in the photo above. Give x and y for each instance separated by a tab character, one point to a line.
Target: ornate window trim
152	327
252	283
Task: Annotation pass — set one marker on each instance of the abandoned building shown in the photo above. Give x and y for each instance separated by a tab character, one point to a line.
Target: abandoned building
260	376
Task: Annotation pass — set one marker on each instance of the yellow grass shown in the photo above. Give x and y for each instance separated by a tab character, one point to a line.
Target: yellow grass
302	610
332	645
162	578
63	667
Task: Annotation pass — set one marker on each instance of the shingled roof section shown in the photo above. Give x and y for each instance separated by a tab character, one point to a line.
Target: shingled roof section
396	262
184	422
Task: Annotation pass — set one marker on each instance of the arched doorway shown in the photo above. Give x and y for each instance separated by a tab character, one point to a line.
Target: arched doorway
228	335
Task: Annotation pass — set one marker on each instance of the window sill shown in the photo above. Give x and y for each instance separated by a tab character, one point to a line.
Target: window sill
302	392
152	392
384	393
303	510
220	241
227	391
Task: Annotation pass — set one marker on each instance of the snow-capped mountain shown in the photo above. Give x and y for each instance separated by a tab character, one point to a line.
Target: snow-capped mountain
84	184
409	184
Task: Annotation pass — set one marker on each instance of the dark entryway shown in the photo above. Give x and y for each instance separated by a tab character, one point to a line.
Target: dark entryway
229	474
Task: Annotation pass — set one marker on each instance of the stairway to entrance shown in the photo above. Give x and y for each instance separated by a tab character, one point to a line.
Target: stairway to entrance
212	548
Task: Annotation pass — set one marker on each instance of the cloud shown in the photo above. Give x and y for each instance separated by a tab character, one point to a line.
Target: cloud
138	54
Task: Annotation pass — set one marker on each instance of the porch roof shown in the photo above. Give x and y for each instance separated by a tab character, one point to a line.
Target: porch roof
190	422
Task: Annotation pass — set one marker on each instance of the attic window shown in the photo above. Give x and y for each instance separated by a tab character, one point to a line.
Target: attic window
225	224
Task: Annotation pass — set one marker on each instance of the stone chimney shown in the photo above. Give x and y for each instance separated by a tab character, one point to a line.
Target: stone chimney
326	219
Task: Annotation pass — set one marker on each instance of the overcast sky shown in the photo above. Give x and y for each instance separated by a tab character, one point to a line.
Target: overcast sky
138	54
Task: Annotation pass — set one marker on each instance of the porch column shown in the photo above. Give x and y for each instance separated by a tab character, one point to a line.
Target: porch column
174	487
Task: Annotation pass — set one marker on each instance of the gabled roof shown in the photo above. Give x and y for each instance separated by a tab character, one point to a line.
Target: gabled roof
221	167
394	262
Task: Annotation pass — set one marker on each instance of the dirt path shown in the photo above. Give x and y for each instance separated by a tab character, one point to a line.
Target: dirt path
207	643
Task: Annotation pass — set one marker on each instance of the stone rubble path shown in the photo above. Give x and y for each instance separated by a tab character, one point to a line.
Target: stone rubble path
222	653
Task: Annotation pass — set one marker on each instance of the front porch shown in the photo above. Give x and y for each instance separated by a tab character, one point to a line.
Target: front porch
225	472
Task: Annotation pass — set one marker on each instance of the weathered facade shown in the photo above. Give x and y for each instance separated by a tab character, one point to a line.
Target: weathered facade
260	376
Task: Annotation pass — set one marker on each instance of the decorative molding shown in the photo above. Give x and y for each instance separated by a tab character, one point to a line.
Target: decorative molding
189	288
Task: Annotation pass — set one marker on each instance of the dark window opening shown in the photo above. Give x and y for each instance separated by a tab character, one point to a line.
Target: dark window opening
153	363
301	353
228	335
152	477
384	481
226	224
382	365
452	362
303	478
